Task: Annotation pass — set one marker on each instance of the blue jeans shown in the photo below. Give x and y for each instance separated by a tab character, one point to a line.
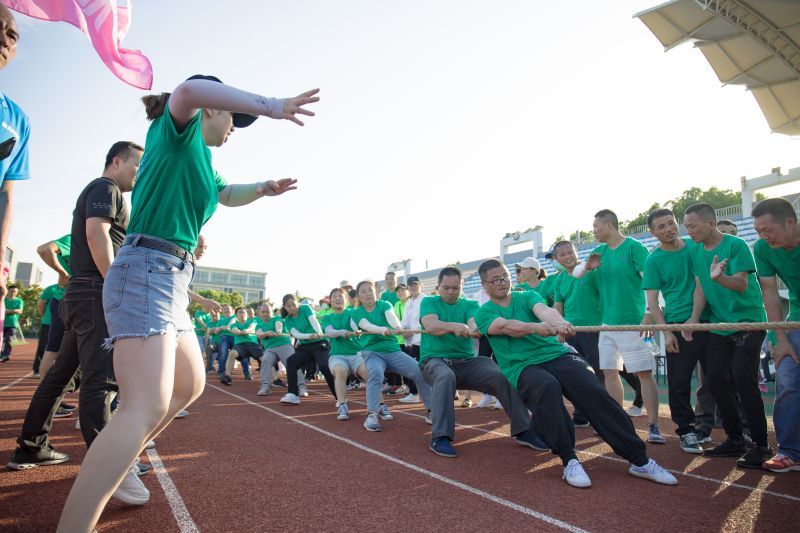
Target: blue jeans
225	345
786	415
399	363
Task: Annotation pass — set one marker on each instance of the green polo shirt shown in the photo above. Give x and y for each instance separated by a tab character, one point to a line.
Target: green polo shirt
619	281
12	321
447	346
241	326
671	273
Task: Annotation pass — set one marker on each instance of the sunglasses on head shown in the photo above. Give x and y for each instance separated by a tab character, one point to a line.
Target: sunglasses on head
6	147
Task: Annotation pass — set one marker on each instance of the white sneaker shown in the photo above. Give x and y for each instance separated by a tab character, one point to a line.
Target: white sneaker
264	391
575	475
132	491
634	411
486	401
371	423
428	419
653	472
183	413
149	445
78	424
303	391
290	399
498	405
411	398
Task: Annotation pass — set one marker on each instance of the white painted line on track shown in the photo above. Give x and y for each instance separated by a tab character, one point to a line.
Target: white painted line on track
463	486
621	460
4	387
176	503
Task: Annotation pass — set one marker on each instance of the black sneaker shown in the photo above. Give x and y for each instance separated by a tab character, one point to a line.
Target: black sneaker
755	457
580	422
23	459
67	406
729	448
226	380
279	383
441	446
142	469
4	358
61	412
248	377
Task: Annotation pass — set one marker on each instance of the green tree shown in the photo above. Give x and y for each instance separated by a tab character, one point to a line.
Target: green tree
29	320
232	298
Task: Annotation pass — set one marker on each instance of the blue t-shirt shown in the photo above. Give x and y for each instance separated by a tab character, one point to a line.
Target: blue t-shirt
14	124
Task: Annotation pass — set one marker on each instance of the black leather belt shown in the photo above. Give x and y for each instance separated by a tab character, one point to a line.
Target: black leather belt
160	245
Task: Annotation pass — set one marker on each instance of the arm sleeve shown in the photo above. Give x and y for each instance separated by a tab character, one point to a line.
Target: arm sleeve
741	258
101	201
651	278
484	318
763	264
472	308
640	255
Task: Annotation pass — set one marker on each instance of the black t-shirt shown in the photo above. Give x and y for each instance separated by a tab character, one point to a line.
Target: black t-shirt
101	198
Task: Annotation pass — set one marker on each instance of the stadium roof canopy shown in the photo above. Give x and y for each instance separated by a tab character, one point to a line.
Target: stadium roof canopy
755	43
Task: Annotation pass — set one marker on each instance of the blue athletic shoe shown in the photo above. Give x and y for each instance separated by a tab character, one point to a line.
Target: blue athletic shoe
441	446
531	440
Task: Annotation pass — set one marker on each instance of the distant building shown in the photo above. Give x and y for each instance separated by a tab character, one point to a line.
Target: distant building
251	285
28	274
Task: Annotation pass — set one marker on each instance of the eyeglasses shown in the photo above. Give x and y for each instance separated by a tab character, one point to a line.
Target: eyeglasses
497	281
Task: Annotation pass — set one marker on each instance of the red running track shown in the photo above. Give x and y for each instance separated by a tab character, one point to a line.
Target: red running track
241	462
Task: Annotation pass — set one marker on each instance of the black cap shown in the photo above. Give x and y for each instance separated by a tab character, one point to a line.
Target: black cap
240	120
552	253
400	286
413	279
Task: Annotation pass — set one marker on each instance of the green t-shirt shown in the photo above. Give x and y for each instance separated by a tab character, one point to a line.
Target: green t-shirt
671	273
222	321
447	346
390	296
400	310
300	323
341	345
513	354
271	325
547	288
619	282
580	298
64	245
376	317
198	316
241	339
53	291
176	170
727	305
12	321
785	264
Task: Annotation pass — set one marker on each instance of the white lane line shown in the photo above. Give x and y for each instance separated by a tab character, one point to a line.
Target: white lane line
176	503
4	387
621	460
463	486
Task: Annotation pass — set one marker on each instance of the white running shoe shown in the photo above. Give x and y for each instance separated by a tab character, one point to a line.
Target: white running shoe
634	412
290	399
149	445
183	413
575	475
411	398
498	405
303	391
654	472
132	491
486	401
264	391
78	424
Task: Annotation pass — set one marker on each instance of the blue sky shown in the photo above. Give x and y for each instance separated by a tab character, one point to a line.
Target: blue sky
443	125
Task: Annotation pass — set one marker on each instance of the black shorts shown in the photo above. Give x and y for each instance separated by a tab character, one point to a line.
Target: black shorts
56	328
248	349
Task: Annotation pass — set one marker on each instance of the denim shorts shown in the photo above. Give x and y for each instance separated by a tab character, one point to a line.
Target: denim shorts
351	362
146	293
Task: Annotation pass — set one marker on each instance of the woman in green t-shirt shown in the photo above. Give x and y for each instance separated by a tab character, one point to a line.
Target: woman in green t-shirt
146	289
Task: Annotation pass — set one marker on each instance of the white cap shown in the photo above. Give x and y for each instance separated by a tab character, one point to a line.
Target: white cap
529	262
344	283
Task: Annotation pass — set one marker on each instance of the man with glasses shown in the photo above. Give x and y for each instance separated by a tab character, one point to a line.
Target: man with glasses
522	331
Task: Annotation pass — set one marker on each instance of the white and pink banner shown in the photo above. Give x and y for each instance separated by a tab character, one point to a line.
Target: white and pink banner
106	23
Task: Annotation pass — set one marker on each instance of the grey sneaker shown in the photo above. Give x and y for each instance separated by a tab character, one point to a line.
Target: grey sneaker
654	434
384	413
131	490
343	413
303	390
371	423
689	443
653	472
264	391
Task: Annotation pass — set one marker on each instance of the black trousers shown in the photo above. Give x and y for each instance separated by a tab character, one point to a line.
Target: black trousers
737	355
542	386
81	352
8	334
413	351
317	352
44	332
586	346
680	368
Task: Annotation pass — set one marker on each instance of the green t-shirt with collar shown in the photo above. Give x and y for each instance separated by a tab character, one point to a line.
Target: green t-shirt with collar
271	325
447	346
785	264
671	273
513	354
376	317
300	323
580	298
619	281
13	304
175	168
726	305
242	326
345	346
50	292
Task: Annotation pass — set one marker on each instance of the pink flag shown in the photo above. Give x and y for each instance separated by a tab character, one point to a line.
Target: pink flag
105	23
